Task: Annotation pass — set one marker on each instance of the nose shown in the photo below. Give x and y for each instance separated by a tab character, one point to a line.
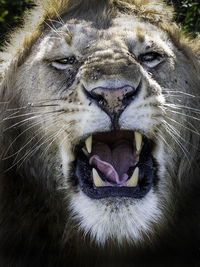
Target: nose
113	100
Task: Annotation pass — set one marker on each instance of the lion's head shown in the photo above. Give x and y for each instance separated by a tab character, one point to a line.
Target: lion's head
100	123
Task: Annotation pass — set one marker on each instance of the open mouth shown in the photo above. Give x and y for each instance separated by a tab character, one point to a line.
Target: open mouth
116	164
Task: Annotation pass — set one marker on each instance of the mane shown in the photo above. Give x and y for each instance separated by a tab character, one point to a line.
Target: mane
154	11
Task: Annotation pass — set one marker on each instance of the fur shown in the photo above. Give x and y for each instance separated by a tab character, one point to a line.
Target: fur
45	218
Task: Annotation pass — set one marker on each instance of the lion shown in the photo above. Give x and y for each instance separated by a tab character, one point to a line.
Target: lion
99	137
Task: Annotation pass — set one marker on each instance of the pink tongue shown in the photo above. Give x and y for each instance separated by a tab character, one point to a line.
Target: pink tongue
113	162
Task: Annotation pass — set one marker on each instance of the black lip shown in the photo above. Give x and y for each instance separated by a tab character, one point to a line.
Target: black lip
147	177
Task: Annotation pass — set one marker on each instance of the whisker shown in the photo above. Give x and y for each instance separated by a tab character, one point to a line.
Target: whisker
12	114
184	150
183	126
55	137
65	137
13	109
183	114
59	17
54	30
180	92
29	152
56	21
20	123
45	105
23	115
178	134
161	137
179	107
192	126
40	103
30	113
35	134
35	148
45	100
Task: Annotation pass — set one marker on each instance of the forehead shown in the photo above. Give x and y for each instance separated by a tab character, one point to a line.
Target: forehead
74	36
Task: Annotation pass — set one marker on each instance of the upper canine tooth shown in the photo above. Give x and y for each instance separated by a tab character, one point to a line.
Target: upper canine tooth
138	141
133	181
96	178
88	144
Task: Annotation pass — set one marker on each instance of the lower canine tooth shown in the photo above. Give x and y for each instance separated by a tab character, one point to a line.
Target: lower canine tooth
133	181
88	143
96	178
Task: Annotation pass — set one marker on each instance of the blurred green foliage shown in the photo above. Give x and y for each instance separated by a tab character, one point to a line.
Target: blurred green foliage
188	13
11	13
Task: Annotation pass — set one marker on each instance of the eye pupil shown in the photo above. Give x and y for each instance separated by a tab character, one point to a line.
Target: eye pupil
149	57
64	61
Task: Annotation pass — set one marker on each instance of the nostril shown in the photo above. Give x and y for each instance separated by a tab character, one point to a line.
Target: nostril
102	102
95	96
130	96
99	98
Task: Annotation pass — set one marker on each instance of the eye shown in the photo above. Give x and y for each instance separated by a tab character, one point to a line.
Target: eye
67	60
63	63
151	59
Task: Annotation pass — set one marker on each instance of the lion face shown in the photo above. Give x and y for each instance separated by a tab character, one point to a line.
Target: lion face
101	107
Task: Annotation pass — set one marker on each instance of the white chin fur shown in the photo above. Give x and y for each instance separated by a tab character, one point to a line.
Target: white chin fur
120	219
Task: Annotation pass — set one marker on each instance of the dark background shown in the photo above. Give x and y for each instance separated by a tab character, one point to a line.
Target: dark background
187	13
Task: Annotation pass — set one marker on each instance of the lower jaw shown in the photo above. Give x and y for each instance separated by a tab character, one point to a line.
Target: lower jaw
147	179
